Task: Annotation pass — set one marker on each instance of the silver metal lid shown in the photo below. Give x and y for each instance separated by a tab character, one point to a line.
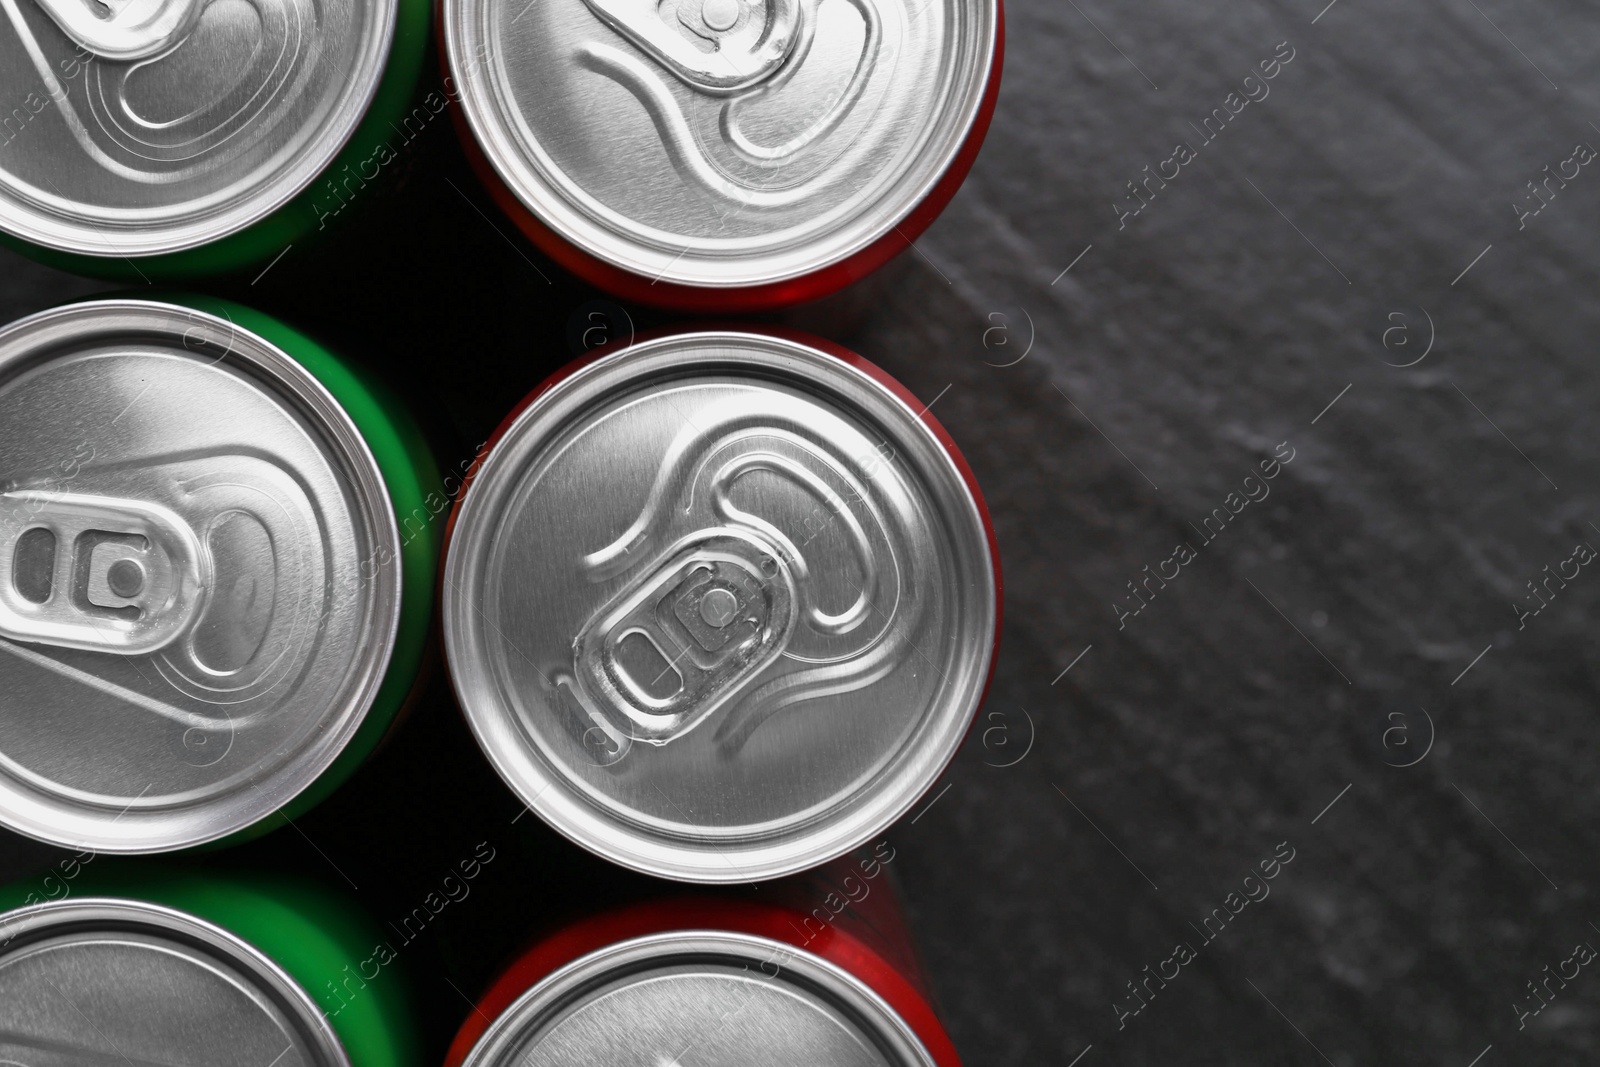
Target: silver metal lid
721	143
720	606
198	587
706	998
108	983
140	127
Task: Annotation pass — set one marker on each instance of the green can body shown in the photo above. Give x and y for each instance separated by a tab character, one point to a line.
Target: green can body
411	476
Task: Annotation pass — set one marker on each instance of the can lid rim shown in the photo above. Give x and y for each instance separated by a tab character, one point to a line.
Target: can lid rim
99	914
824	984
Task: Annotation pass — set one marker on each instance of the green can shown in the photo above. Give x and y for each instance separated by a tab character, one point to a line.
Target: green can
172	139
177	967
218	548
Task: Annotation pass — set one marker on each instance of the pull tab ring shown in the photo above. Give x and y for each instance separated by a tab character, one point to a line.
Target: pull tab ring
871	45
135	29
743	56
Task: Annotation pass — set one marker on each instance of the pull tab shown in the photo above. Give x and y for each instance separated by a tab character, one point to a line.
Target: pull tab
96	573
134	29
744	48
871	46
686	636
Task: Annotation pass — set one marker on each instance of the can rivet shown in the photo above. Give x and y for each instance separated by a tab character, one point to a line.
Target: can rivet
720	15
718	608
126	578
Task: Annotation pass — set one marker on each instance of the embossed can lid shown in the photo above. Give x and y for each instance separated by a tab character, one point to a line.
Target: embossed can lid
143	127
107	982
724	144
720	606
712	999
192	624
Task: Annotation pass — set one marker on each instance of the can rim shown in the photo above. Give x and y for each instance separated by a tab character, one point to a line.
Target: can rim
37	813
573	811
104	913
575	224
825	984
121	233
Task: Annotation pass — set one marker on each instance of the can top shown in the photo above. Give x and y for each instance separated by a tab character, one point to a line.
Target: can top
145	127
108	982
710	998
198	593
722	143
720	606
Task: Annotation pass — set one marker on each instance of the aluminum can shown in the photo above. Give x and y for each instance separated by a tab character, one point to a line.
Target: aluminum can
208	613
178	968
718	983
720	606
160	139
723	155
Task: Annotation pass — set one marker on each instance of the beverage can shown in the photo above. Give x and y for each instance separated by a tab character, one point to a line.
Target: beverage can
162	139
175	967
721	605
215	589
717	156
715	982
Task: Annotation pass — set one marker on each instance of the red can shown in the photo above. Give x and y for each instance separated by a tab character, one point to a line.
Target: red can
719	156
692	592
818	971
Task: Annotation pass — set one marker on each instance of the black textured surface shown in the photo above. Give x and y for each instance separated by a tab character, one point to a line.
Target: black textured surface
1308	249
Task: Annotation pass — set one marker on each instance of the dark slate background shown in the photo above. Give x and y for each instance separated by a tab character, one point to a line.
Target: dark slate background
1331	633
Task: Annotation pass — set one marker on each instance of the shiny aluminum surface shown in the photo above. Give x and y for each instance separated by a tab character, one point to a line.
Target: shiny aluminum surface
193	614
710	999
719	607
101	982
138	127
721	143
